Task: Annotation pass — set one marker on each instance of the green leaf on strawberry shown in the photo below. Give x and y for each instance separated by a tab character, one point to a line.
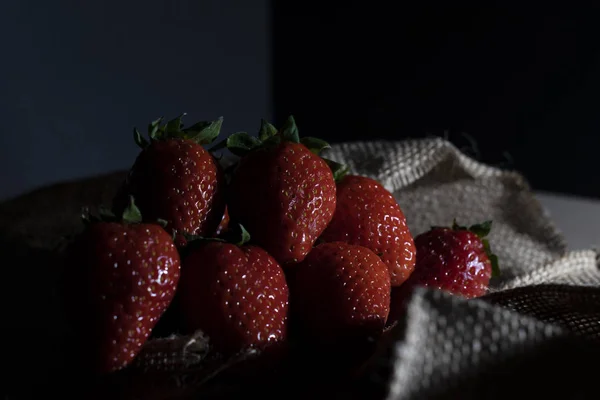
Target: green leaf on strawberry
241	143
153	128
481	230
131	215
244	236
493	258
339	170
289	131
267	130
139	139
173	127
199	126
314	144
203	132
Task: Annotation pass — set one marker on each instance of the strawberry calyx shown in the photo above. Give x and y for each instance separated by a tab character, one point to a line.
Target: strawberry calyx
242	143
131	215
482	230
339	170
203	132
236	234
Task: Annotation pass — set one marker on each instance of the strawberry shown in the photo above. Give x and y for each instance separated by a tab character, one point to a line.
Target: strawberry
235	293
281	190
122	276
340	293
175	179
457	260
171	321
368	215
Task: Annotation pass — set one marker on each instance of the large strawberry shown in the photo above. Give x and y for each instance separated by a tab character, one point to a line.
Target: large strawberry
175	179
121	275
236	294
340	293
281	190
456	259
367	214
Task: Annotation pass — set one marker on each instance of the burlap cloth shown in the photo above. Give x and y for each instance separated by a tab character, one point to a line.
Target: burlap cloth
535	334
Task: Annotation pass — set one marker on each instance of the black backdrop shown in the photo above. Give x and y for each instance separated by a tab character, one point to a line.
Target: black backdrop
521	82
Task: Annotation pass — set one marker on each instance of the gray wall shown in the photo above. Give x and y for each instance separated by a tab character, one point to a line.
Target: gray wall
76	76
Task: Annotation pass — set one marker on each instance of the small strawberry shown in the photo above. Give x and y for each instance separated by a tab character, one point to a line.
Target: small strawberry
281	190
122	276
175	179
368	215
236	294
457	260
340	292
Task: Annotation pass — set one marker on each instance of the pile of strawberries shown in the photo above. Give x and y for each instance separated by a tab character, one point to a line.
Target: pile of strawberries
281	246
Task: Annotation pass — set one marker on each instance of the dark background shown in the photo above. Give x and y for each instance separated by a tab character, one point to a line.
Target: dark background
76	76
521	80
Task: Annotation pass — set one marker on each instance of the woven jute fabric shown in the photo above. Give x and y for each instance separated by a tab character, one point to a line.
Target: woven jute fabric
534	333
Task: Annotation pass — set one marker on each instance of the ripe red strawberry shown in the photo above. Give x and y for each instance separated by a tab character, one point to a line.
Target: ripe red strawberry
236	294
340	293
368	215
457	260
175	179
281	191
122	276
